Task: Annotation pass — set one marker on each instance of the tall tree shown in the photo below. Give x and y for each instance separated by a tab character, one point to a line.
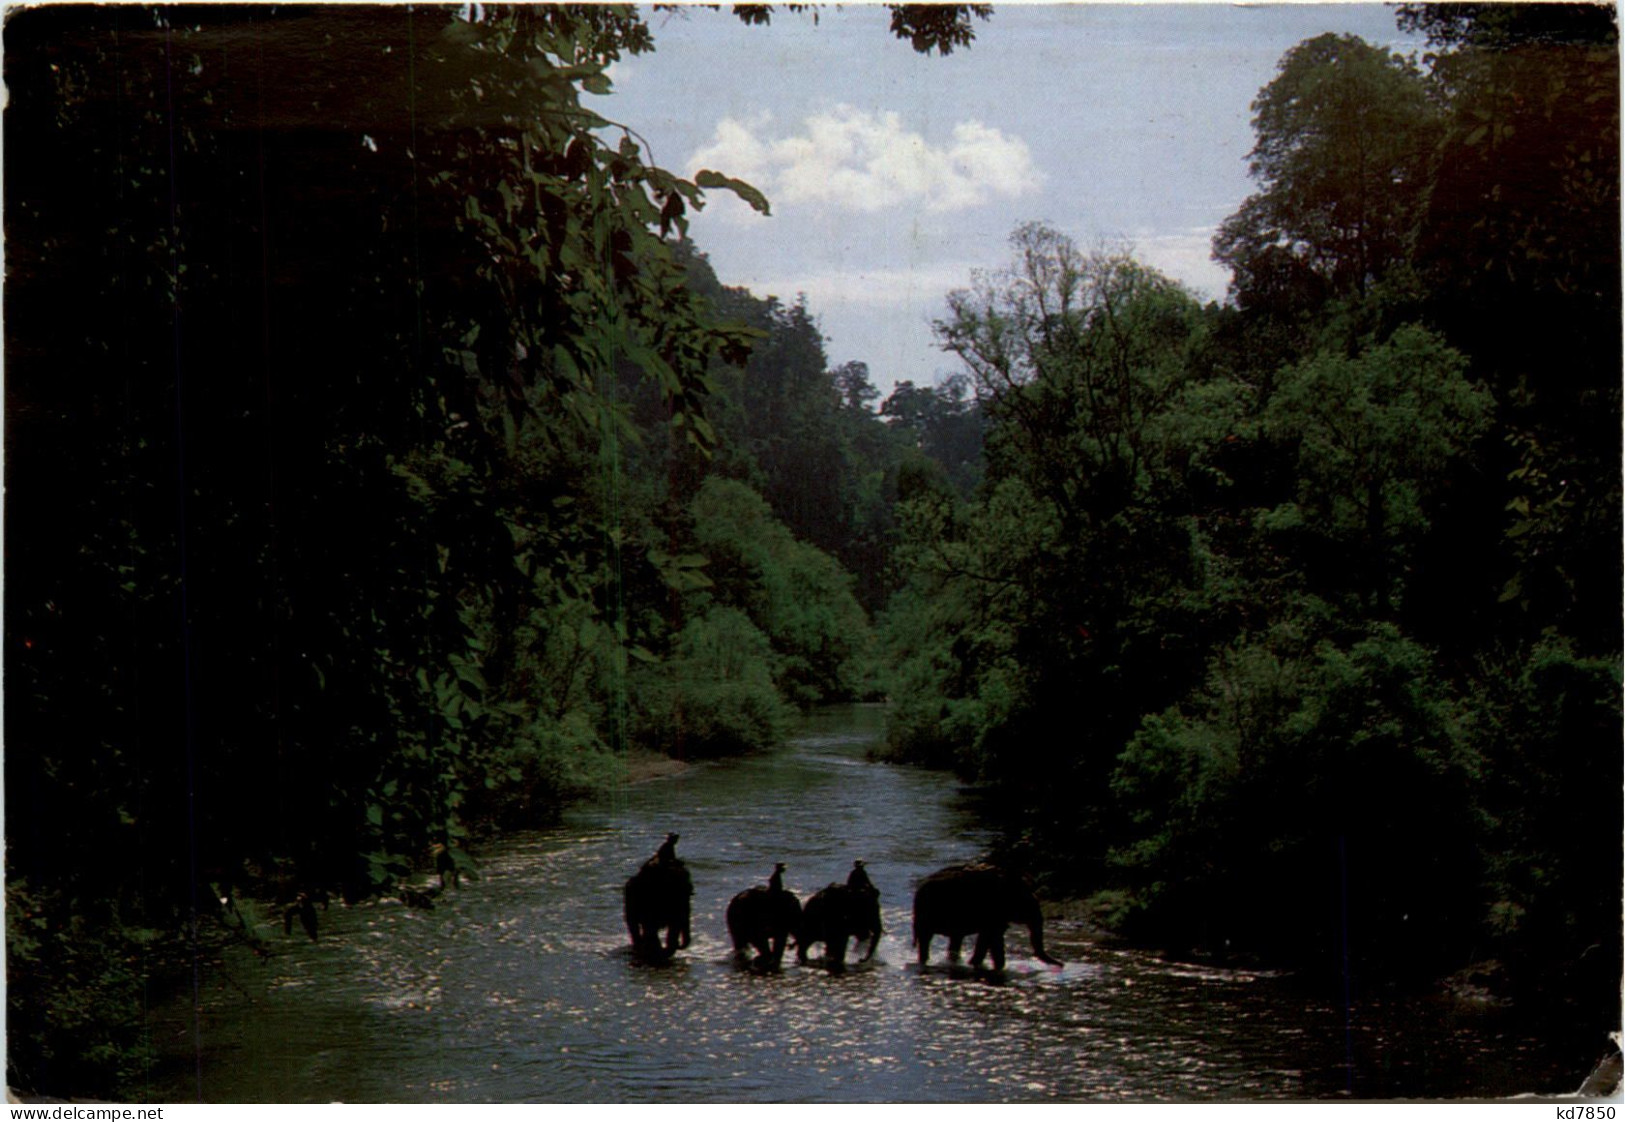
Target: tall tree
1344	134
1053	585
1522	228
1376	436
945	424
1073	356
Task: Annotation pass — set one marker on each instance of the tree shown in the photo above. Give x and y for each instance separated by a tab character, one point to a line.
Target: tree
1522	227
945	425
794	593
1066	577
853	385
927	27
1376	435
1312	800
1072	357
1344	133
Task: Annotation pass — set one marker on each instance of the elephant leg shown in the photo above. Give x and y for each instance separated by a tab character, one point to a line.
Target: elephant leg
874	941
998	951
922	939
981	950
836	948
955	942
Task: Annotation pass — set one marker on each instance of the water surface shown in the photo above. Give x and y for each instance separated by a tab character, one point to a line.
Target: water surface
520	987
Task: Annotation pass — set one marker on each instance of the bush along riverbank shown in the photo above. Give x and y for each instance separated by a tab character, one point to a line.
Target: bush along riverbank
1346	877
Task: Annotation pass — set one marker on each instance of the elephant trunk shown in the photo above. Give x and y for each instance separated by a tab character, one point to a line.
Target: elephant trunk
1039	952
1035	927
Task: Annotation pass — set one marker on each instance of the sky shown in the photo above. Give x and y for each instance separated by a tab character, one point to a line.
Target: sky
893	176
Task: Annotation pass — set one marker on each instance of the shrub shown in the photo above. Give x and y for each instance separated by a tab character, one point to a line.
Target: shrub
715	695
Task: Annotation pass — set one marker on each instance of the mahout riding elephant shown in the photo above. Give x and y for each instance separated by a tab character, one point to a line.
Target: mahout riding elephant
980	900
657	898
764	917
838	912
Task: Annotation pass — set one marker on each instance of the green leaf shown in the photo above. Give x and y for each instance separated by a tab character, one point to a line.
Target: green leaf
715	179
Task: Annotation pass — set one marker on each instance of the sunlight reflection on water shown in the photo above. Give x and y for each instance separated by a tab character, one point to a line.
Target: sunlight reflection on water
520	987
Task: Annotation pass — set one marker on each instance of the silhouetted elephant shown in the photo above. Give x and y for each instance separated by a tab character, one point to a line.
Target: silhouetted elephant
764	917
657	898
305	910
838	912
980	900
446	863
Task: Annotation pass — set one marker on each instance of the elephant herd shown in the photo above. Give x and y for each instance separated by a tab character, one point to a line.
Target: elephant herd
961	900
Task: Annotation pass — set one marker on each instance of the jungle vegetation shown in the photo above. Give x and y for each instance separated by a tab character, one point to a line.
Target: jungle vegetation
1288	624
1292	625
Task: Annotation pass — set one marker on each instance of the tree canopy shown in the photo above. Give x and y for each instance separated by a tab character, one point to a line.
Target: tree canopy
361	385
1243	623
1344	135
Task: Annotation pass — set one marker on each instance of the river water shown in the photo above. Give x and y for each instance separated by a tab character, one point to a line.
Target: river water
520	987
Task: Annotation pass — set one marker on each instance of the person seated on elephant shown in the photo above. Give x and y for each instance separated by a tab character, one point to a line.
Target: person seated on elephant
859	879
667	853
656	899
836	913
764	917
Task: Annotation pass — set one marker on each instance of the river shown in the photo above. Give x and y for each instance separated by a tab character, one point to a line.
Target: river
519	987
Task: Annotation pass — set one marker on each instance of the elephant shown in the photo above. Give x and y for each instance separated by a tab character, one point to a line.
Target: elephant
838	912
305	910
657	897
980	900
764	917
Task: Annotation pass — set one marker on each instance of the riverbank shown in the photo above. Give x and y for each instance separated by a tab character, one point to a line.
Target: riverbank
644	766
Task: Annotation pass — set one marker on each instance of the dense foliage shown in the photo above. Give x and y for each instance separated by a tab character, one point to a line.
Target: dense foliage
385	465
1266	618
366	479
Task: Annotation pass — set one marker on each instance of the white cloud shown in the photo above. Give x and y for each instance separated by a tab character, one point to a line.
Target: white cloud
854	160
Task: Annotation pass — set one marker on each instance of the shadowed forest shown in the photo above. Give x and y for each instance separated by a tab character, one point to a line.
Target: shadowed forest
386	468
